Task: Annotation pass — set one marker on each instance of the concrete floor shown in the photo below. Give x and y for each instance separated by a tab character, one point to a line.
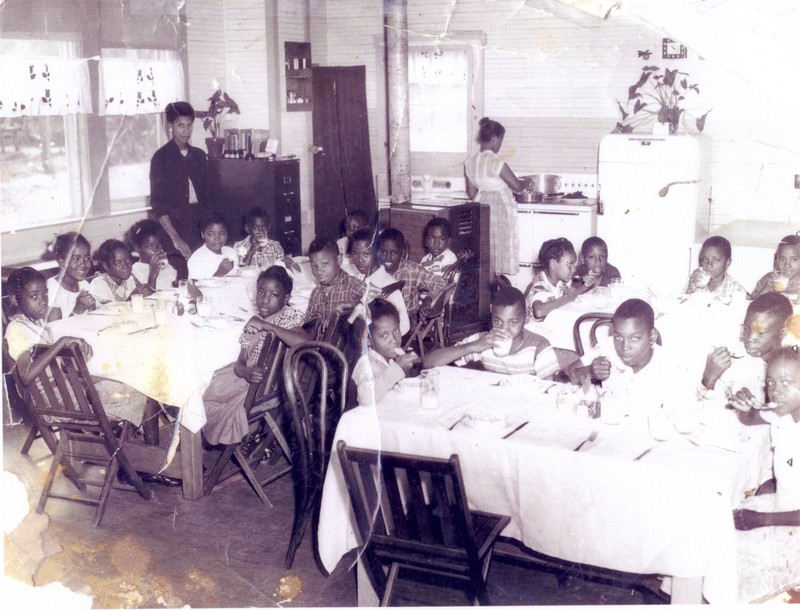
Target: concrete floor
227	550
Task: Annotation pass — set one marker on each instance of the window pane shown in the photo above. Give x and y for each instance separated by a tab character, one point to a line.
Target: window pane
36	184
132	140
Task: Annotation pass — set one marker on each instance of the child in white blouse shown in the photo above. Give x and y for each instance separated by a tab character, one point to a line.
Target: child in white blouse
437	237
552	287
152	268
27	328
213	258
69	291
117	283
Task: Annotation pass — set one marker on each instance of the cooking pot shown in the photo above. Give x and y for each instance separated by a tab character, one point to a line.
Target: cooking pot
529	197
546	184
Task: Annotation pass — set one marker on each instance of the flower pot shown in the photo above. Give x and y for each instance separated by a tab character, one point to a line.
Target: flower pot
215	147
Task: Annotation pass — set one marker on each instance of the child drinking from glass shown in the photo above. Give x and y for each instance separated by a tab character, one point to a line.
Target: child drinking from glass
552	286
213	258
437	242
257	248
385	362
365	258
785	277
338	292
117	283
711	277
69	289
777	501
27	328
152	268
226	421
594	262
508	348
742	375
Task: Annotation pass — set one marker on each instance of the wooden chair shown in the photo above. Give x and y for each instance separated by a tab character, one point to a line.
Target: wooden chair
315	402
431	320
262	400
411	512
63	397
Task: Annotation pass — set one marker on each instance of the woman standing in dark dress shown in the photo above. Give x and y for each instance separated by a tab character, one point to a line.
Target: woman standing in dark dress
178	182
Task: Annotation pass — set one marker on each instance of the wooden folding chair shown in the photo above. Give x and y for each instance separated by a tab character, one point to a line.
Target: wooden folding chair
262	400
63	397
411	513
315	402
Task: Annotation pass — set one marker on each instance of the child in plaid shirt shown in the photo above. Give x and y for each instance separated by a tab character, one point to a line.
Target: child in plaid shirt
338	292
226	421
257	248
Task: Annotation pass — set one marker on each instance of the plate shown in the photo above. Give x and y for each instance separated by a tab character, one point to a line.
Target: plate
409	383
577	201
488	421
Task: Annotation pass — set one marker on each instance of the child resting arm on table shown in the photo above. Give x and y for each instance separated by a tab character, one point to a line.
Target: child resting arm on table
385	363
780	495
553	287
508	348
118	282
226	421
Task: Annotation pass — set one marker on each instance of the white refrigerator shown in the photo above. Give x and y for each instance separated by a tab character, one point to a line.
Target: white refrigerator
650	189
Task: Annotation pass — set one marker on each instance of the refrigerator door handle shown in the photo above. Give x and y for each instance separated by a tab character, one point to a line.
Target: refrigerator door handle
557	213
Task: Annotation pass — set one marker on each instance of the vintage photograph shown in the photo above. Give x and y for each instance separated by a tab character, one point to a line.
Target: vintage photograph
338	303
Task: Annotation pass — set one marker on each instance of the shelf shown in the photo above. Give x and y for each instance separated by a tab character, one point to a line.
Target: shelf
298	75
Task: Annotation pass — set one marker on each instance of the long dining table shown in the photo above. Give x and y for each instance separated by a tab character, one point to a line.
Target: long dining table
669	512
173	362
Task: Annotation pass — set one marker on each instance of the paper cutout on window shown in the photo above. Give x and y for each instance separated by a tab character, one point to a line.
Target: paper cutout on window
147	85
48	86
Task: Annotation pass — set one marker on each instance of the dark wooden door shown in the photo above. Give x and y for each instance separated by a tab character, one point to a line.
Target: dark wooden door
342	163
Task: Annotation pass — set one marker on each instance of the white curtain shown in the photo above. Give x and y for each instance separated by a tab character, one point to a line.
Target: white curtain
44	86
139	86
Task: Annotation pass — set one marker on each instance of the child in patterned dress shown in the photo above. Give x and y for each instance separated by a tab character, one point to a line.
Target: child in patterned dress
552	287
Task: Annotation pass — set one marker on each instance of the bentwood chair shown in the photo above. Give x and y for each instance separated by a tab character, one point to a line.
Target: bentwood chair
596	319
262	405
431	320
412	514
64	398
316	377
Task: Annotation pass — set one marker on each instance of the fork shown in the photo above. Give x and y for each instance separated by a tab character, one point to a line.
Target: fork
591	437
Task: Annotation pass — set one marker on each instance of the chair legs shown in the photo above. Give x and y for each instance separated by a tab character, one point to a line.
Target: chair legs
32	436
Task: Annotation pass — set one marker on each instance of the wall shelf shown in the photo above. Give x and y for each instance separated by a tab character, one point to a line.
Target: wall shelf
298	76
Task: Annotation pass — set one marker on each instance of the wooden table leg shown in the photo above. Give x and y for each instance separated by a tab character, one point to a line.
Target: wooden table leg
191	464
687	590
150	422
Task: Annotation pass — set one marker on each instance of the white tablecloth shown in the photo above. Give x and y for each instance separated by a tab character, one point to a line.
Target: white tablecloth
172	364
669	513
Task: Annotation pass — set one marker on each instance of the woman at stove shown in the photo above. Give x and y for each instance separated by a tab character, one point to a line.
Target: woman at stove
491	181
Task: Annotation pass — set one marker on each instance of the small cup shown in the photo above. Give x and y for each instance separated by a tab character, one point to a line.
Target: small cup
703	278
685	419
205	306
502	346
660	425
137	303
780	283
162	310
600	297
429	389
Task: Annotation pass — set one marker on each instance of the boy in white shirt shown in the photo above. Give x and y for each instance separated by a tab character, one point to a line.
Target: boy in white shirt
437	237
213	258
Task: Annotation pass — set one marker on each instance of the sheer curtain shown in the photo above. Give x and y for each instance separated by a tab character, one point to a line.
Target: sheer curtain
46	86
438	99
139	81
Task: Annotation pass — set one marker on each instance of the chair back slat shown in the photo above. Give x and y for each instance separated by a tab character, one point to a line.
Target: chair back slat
420	518
271	362
441	487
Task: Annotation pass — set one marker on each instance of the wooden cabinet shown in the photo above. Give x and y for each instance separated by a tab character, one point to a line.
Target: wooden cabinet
298	75
235	185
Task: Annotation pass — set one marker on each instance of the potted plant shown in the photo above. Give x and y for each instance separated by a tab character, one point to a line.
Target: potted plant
219	104
658	96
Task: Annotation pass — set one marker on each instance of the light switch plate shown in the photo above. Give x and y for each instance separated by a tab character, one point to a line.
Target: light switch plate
797	181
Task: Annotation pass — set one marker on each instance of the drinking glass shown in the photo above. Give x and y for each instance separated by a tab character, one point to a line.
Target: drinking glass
502	346
600	297
660	425
429	389
137	303
162	310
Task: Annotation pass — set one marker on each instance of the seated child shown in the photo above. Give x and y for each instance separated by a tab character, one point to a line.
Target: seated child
213	258
437	242
594	262
508	348
355	220
778	500
118	282
786	275
226	421
630	361
385	363
552	286
418	280
375	276
712	274
338	292
257	248
152	268
27	328
742	377
69	289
